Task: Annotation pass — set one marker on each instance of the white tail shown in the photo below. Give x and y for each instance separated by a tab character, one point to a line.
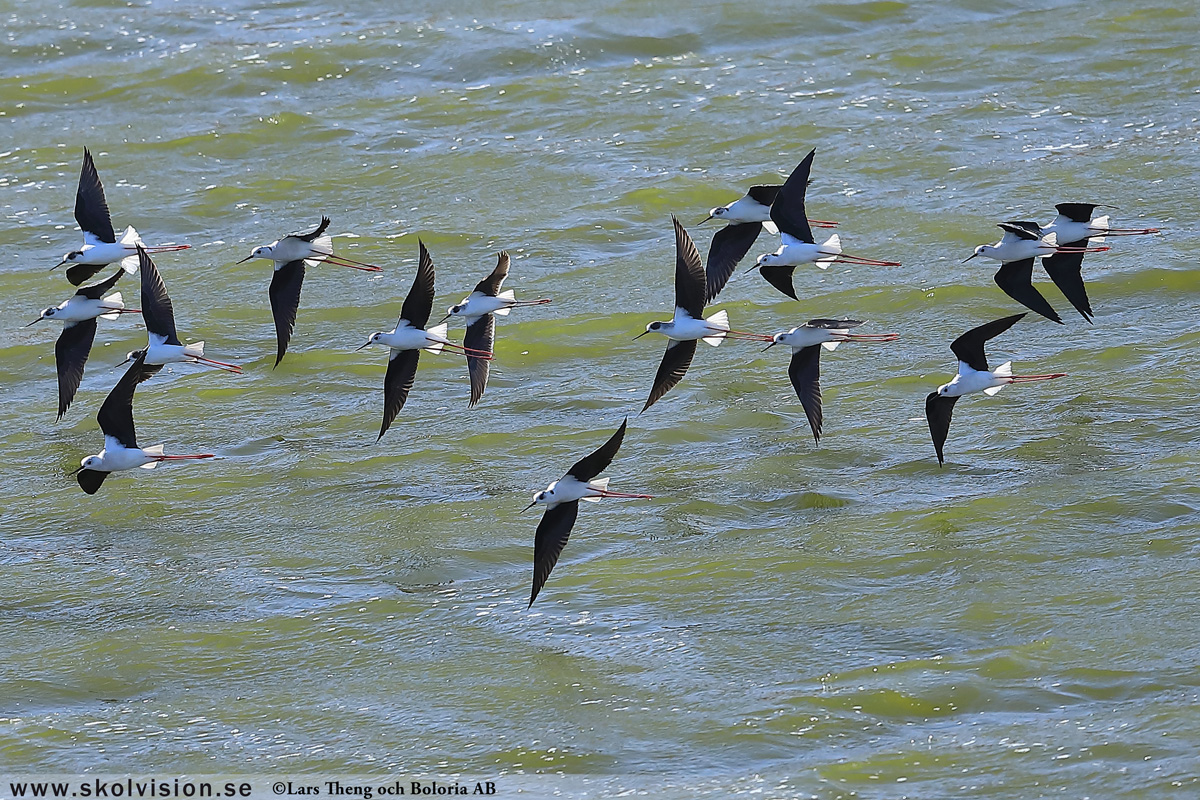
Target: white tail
830	345
1104	223
195	349
130	237
113	301
1002	371
507	294
599	483
322	247
718	320
129	264
833	243
437	331
153	450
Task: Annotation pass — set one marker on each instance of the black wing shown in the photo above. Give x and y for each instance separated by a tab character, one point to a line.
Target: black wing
397	383
79	273
491	284
157	310
116	413
835	324
689	273
97	290
419	303
787	212
1066	270
780	278
938	411
90	479
311	235
969	347
70	354
674	366
728	247
764	193
1016	279
594	463
1023	230
480	335
552	534
285	299
1076	212
91	209
805	372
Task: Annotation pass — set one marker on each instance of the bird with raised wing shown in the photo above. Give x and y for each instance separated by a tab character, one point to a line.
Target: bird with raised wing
100	244
746	217
973	376
795	233
806	342
479	310
561	499
409	338
121	451
688	323
164	346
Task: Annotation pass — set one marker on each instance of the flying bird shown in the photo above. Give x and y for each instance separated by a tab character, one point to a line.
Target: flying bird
688	324
164	346
291	254
1021	244
804	371
561	500
477	309
409	338
798	245
1075	227
316	246
973	376
747	217
121	451
79	313
100	245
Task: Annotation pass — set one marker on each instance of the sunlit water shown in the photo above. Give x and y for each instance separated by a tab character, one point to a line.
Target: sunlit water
836	621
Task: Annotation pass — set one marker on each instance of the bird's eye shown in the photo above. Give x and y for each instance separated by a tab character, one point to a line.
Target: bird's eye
655	326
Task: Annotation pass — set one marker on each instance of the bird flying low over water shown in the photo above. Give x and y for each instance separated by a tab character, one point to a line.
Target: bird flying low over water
561	500
121	451
100	245
477	309
164	346
688	324
973	376
804	371
409	338
291	254
79	313
795	232
1074	227
747	216
1021	244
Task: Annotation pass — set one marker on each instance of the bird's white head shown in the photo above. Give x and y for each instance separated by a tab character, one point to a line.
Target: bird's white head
944	390
72	257
769	260
372	339
49	313
982	250
652	328
717	213
92	462
266	251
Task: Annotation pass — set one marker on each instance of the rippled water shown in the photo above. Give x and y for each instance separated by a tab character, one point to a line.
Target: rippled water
835	621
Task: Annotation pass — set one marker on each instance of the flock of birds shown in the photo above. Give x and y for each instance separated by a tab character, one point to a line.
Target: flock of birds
776	208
